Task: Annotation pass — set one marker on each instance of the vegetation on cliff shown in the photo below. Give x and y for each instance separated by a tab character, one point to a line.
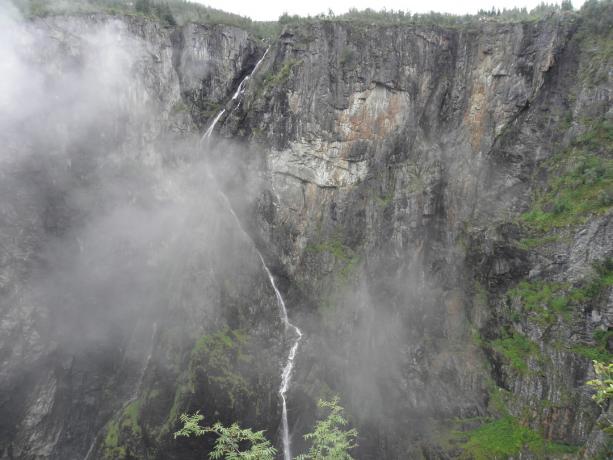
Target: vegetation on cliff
603	387
330	440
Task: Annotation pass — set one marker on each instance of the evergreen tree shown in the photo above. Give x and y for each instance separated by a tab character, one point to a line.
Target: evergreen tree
143	6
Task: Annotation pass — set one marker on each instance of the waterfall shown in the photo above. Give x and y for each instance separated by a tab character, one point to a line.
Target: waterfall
135	392
295	330
239	92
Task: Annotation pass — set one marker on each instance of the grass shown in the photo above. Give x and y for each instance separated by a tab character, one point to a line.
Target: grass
130	418
179	107
216	359
282	75
182	392
126	426
507	437
110	446
596	38
385	200
342	253
516	349
546	301
537	242
580	185
598	350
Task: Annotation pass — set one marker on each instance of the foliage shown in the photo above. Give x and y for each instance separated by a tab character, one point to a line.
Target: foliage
330	440
385	17
282	75
581	183
544	300
530	243
596	38
159	10
506	437
113	445
598	351
596	14
603	386
217	358
232	442
110	446
341	252
130	417
191	425
516	349
168	12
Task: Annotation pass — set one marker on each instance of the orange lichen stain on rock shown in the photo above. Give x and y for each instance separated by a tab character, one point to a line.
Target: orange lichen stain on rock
455	322
371	115
311	195
475	116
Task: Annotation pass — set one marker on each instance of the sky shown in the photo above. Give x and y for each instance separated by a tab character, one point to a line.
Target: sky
269	10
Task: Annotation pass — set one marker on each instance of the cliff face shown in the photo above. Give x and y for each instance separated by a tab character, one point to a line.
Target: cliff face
435	204
401	162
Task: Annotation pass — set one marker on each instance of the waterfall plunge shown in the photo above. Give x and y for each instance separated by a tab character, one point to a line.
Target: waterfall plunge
297	333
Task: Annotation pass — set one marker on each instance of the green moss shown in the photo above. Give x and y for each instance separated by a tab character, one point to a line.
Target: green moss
179	107
282	75
110	446
216	358
499	399
507	437
481	297
344	255
597	55
580	185
112	435
598	350
537	242
182	392
153	394
347	56
546	301
130	418
516	350
385	200
206	109
120	431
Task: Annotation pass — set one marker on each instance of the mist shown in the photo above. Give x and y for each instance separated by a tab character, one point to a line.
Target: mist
114	237
205	213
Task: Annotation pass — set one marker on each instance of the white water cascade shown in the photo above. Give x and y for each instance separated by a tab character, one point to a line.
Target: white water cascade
296	332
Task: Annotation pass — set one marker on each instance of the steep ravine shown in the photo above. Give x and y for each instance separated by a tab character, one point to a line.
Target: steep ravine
434	204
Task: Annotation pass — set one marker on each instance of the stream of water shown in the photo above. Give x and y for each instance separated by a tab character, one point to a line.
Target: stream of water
289	327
